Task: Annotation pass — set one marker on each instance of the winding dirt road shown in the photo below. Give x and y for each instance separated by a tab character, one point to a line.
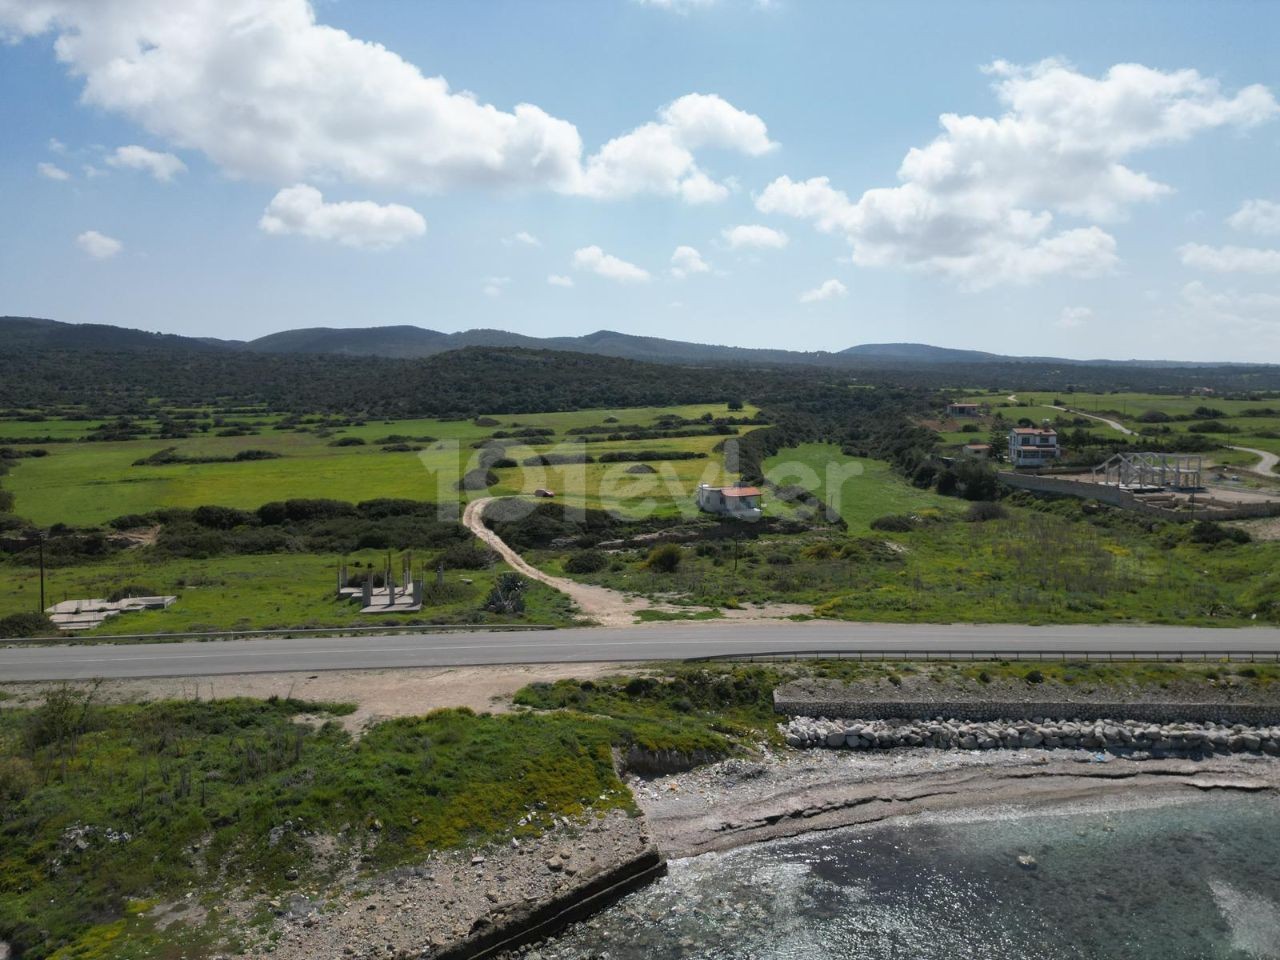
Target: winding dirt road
606	607
609	608
1267	461
1113	424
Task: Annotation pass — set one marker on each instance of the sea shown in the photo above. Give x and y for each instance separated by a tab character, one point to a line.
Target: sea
1190	880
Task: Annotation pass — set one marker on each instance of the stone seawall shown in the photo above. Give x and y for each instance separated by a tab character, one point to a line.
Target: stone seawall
1250	714
1130	737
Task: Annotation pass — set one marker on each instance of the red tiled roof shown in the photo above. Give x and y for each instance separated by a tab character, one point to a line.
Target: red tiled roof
1046	431
741	491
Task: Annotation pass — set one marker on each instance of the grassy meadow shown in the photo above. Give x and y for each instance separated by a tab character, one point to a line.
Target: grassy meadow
86	483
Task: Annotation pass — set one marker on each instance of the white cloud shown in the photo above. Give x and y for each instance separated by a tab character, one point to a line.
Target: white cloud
1072	317
55	145
1230	259
559	280
754	236
830	290
99	245
266	92
51	171
493	286
301	209
523	238
1257	216
686	261
678	6
162	166
606	265
979	203
658	157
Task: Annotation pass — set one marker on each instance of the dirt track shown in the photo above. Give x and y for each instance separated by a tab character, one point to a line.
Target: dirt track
604	606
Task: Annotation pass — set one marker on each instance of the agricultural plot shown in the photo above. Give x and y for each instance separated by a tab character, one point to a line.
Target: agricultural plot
85	483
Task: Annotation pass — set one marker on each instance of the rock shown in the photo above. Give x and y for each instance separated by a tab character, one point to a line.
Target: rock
1027	862
555	865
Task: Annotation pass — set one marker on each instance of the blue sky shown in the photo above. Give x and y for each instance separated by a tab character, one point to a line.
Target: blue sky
1107	186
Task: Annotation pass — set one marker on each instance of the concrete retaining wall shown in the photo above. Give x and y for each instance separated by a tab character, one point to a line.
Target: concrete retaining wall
1127	501
974	710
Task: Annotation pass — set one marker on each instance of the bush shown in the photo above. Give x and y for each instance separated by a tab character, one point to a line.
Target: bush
18	625
983	510
1034	676
894	523
1212	426
586	561
664	558
347	442
1154	416
132	521
507	595
302	510
1211	534
221	518
478	479
640	468
466	556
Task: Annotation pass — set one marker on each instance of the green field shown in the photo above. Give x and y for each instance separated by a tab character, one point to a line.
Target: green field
1042	562
85	483
259	593
860	489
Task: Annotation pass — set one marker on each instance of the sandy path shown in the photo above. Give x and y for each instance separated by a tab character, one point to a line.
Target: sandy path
606	607
1267	461
377	694
1113	424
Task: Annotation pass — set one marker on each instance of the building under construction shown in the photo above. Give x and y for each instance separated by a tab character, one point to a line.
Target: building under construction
1142	472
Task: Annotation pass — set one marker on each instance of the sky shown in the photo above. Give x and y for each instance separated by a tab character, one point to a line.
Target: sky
1080	180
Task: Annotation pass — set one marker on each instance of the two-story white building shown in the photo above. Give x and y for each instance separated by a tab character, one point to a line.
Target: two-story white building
1033	446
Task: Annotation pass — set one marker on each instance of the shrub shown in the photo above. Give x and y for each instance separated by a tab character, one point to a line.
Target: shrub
1034	676
983	510
221	518
1211	534
1212	426
894	523
478	479
586	561
1154	416
640	468
664	558
18	625
347	442
247	455
466	556
507	595
132	521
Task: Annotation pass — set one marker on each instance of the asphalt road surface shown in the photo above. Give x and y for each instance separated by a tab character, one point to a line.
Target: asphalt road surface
652	642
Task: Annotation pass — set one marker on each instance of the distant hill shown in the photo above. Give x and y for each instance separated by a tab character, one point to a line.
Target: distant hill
923	353
410	342
33	332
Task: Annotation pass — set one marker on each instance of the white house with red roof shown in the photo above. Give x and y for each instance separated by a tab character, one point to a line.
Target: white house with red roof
740	502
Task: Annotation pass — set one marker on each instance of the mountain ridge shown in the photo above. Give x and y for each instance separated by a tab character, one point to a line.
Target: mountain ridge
407	341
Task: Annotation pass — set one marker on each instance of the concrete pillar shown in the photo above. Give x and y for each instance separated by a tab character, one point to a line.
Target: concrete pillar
366	590
417	591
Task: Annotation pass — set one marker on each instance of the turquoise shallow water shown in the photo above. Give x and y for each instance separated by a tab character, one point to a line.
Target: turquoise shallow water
1192	881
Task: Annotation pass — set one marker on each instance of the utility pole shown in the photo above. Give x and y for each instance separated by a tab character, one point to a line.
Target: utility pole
41	536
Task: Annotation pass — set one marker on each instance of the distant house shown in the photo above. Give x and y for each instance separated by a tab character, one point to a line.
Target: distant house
975	449
740	502
543	492
964	409
1033	446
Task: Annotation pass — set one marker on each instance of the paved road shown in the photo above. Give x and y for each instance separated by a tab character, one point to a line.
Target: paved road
654	642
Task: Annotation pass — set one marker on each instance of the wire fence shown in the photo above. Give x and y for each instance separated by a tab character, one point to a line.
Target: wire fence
1178	656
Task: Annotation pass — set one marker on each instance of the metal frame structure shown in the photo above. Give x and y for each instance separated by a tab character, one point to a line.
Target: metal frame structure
1174	470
